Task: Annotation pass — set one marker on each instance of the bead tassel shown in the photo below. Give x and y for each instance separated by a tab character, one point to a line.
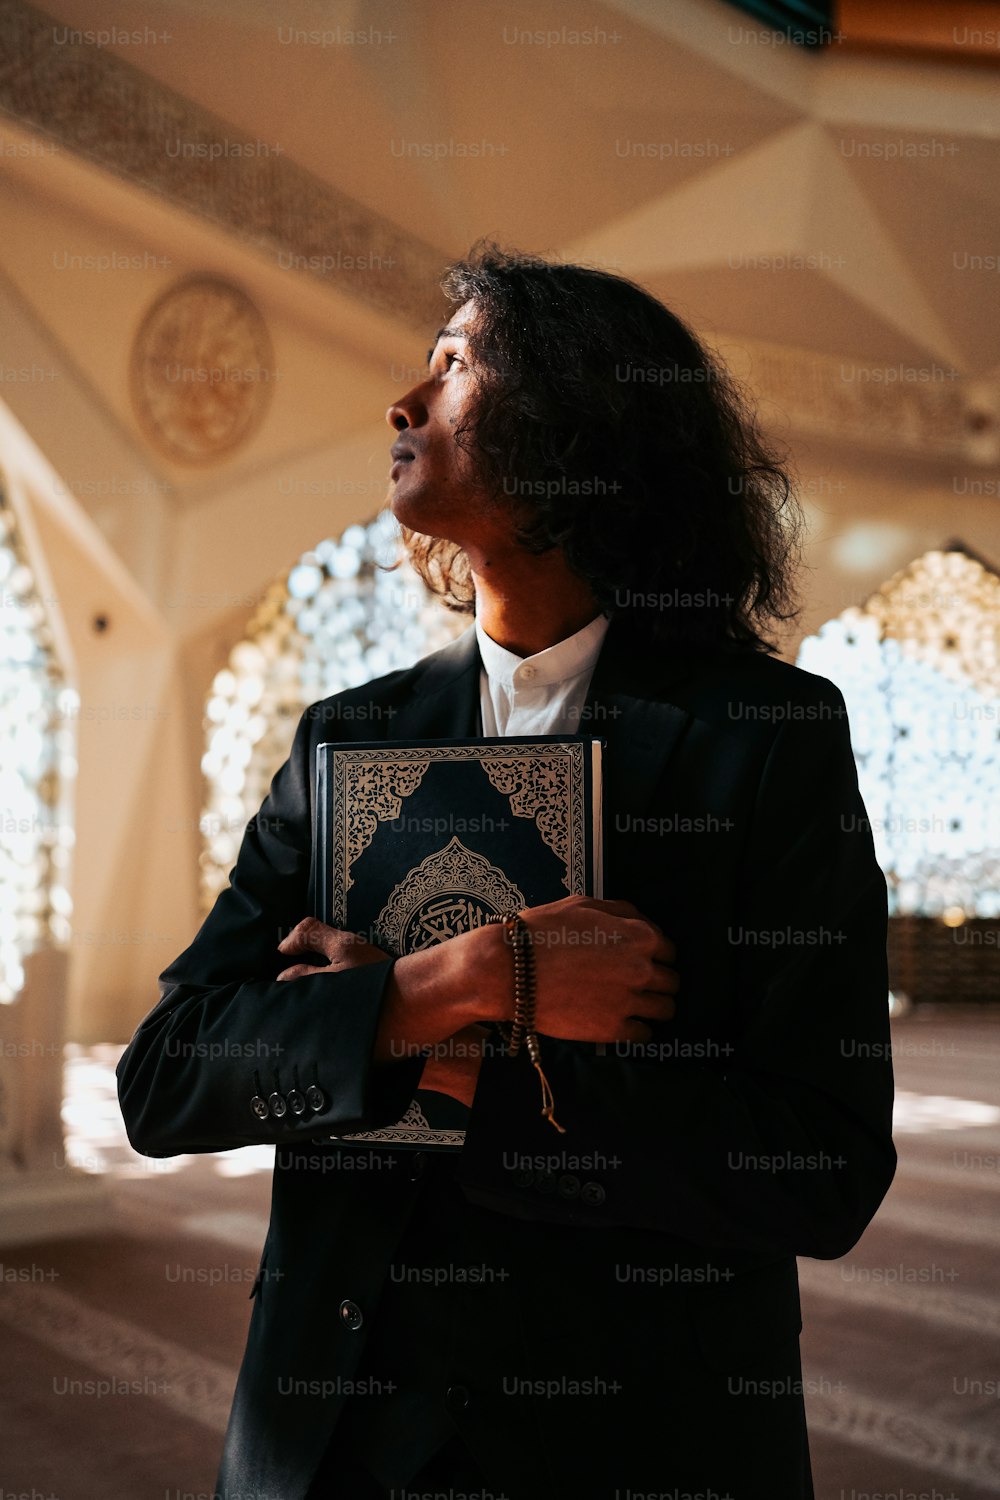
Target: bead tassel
522	1029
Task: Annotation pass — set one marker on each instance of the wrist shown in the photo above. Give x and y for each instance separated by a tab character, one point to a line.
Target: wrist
486	974
437	991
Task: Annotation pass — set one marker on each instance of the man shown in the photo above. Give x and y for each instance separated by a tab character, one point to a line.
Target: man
615	1309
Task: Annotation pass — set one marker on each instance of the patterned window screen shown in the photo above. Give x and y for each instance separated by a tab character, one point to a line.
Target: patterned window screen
38	714
334	620
919	666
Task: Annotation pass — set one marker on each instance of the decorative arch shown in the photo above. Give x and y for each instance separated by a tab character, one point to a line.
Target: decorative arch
334	620
919	666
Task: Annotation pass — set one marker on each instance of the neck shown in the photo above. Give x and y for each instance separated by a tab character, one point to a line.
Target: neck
527	604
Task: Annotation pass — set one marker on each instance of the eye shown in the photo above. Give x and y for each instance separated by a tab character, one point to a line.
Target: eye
440	361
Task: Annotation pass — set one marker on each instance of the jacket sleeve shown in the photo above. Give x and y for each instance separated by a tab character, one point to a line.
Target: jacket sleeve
226	1033
782	1147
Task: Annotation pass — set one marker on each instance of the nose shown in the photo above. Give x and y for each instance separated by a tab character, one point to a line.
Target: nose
408	411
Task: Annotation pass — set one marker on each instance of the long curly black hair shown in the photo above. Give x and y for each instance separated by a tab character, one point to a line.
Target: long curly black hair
619	438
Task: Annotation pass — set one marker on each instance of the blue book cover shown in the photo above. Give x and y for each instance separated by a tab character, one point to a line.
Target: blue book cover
420	841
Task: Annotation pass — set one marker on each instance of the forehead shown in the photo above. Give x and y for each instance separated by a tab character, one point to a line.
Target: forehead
458	324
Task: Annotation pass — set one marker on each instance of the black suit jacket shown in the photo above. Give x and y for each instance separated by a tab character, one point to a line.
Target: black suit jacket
658	1235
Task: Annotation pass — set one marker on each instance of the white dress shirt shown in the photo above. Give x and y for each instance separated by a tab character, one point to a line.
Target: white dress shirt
540	694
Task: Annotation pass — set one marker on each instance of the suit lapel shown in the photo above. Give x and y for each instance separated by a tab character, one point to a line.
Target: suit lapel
443	699
628	705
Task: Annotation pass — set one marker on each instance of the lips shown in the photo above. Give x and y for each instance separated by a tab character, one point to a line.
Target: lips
402	454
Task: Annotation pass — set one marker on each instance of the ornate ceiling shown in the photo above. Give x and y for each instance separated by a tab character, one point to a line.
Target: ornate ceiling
830	220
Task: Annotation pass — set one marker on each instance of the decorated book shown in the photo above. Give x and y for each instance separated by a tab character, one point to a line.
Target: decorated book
421	841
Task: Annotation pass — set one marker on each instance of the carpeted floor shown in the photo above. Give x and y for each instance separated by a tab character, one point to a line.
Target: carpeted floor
121	1349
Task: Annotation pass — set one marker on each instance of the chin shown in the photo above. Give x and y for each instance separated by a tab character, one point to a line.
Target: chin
403	509
409	512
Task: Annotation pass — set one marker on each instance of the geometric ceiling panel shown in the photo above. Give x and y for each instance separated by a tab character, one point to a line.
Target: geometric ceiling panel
876	268
819	201
754	204
943	210
461	124
804	309
786	215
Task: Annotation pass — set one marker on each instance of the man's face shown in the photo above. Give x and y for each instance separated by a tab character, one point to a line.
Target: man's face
435	489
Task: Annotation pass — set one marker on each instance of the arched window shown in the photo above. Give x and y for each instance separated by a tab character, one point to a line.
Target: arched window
333	621
37	714
919	666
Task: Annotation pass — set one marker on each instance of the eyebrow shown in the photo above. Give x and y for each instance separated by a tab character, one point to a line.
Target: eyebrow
450	332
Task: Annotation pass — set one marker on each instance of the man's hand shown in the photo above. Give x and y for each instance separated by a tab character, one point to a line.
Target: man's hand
604	971
341	950
453	1067
455	1070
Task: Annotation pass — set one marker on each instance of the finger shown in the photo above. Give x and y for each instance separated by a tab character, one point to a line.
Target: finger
657	1007
297	971
664	980
314	936
613	908
634	1031
311	936
295	932
653	995
664	950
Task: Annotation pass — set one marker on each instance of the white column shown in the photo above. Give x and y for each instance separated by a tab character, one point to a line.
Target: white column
41	1197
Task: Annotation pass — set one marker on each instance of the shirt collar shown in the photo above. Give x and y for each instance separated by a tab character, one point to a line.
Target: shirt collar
566	659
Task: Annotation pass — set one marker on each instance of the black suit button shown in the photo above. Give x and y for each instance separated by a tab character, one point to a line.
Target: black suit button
296	1101
568	1185
545	1182
259	1107
418	1165
524	1179
457	1397
351	1315
315	1098
592	1192
277	1105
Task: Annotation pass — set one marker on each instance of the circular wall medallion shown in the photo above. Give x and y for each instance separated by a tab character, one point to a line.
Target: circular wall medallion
201	370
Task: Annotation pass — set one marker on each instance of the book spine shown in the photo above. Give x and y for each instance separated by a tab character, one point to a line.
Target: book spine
597	820
322	838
